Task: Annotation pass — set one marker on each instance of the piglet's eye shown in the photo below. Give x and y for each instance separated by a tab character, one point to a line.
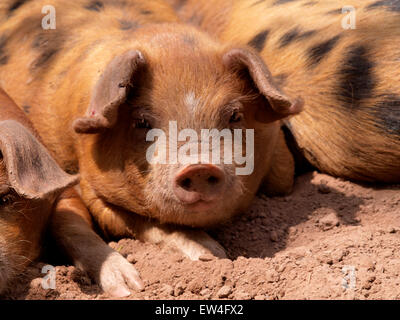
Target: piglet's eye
236	117
6	199
141	124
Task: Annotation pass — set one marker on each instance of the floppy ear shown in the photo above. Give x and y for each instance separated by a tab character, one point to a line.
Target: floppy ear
278	105
32	172
110	92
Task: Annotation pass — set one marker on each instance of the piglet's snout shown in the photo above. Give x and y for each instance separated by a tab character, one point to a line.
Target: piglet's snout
202	182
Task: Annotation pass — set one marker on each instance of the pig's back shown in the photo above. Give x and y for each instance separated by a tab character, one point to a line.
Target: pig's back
350	79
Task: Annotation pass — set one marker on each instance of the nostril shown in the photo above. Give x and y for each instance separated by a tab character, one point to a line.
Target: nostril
213	180
198	183
186	183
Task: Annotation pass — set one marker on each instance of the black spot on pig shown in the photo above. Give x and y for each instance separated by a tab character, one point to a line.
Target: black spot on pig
45	57
179	4
146	12
3	42
280	79
128	25
288	37
258	42
319	51
305	35
335	12
39	41
27	109
116	3
294	35
310	3
48	44
393	5
30	25
196	19
387	114
356	78
4	59
3	55
16	4
257	3
278	2
94	6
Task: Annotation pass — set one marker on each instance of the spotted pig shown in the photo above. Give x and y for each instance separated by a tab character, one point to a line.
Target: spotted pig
348	73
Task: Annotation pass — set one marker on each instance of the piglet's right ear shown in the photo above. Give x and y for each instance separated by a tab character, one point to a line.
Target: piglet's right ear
110	92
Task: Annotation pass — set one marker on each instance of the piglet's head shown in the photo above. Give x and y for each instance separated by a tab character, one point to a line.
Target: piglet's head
148	120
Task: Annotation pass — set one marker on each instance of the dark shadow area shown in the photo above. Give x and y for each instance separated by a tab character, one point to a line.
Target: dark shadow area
263	230
51	255
54	255
302	165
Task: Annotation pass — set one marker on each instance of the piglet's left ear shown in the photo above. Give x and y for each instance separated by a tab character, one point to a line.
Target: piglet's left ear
279	105
110	92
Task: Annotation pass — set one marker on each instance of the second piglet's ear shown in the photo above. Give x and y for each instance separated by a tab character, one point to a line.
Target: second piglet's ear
32	172
110	92
278	105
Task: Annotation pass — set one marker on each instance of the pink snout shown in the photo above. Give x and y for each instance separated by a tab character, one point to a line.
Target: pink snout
197	183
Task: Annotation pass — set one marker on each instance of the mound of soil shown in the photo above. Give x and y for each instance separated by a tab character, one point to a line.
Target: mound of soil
330	239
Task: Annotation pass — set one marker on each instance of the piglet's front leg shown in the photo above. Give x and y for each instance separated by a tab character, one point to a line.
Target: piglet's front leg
117	223
71	226
192	243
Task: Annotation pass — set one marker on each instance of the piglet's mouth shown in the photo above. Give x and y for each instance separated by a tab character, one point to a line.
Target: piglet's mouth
199	202
193	198
200	206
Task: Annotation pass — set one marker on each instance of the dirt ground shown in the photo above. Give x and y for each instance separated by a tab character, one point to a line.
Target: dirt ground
330	239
